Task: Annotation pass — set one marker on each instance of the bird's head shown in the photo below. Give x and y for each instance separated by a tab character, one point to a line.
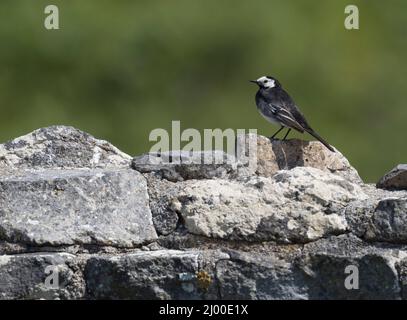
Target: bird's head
266	82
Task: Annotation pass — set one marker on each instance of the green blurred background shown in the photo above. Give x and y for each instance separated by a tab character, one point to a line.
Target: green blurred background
118	69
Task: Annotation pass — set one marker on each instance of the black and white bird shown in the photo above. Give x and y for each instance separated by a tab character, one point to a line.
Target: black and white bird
279	108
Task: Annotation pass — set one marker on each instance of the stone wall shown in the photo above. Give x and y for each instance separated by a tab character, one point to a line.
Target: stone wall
77	211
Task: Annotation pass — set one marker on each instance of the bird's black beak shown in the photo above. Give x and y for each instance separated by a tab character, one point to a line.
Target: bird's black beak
254	81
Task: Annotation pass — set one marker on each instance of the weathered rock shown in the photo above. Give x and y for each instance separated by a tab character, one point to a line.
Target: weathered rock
274	155
298	205
180	165
283	221
254	155
329	262
59	147
60	207
25	277
378	277
402	271
379	220
161	193
162	274
396	179
317	272
255	276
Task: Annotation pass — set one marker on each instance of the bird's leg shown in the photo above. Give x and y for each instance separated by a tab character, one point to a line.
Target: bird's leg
272	137
288	131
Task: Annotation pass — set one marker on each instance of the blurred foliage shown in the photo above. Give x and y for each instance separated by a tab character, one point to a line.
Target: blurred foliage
119	69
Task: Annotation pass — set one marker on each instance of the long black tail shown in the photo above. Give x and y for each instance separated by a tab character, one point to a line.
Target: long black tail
318	137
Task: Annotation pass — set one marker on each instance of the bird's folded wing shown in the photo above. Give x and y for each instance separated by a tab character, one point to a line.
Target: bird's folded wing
285	117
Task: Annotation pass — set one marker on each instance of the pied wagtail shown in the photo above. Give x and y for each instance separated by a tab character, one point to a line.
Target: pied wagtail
279	108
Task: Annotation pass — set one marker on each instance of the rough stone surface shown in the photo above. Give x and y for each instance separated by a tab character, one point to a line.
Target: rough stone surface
162	274
287	226
402	270
325	265
380	220
316	272
180	166
25	276
275	155
59	147
298	205
257	276
66	207
396	179
254	155
161	193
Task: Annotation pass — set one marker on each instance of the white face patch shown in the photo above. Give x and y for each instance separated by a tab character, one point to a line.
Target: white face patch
266	82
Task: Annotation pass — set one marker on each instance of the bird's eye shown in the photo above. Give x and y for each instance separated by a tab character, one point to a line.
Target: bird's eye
265	81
